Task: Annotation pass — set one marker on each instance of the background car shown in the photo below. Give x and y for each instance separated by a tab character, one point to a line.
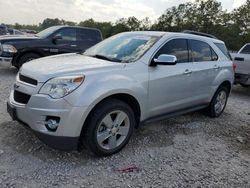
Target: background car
3	30
54	40
242	62
14	32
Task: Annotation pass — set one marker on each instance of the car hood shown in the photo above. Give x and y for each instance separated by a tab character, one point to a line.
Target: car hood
67	64
15	38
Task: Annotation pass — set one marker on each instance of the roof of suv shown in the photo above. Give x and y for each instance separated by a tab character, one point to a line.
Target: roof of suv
179	34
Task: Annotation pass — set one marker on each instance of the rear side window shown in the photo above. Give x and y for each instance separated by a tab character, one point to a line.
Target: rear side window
176	47
201	51
245	50
89	35
224	50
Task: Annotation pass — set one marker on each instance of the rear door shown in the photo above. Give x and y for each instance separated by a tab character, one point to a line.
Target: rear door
68	41
205	69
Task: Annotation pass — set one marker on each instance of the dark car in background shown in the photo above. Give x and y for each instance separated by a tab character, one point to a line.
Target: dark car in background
3	30
51	41
14	32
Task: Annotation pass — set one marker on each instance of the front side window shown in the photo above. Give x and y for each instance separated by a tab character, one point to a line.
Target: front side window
176	47
125	47
201	51
68	34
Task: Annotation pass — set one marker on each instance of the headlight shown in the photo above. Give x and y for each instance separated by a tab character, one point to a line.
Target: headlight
9	48
61	86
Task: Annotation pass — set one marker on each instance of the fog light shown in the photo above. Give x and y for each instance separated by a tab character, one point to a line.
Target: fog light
52	123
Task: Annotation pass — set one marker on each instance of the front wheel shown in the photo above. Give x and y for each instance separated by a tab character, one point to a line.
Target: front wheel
109	127
218	103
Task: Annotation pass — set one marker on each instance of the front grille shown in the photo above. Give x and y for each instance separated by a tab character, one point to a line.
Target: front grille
28	80
21	97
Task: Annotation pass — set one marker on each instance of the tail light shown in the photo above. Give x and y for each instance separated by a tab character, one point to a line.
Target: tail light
234	67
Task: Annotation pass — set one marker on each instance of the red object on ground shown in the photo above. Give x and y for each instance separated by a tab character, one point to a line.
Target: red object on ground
131	168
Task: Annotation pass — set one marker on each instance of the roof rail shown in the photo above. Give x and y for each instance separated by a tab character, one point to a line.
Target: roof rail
199	33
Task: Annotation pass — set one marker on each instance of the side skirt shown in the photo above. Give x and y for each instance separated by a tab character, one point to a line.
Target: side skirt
172	114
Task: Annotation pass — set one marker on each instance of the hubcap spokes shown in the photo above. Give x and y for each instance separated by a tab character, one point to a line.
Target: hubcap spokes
113	130
220	102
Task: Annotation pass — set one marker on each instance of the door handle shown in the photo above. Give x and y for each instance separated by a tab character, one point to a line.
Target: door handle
187	72
73	45
216	67
239	59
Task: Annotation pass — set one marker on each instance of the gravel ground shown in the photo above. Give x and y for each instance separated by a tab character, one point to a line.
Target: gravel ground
187	151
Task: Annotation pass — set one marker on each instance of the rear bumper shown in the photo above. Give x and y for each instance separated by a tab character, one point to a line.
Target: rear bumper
242	79
6	61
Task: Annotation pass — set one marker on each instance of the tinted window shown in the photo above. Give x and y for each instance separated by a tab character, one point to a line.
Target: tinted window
224	50
89	35
177	47
201	51
245	50
68	34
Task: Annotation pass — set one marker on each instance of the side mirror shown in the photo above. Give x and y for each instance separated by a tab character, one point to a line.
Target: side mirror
165	59
56	38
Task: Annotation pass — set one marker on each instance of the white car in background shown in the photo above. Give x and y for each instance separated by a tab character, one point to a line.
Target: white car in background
242	62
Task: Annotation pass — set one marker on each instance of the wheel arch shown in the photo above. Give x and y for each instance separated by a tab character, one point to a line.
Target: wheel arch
125	97
226	84
22	53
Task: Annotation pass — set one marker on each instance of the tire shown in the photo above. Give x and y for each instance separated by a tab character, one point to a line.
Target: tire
244	85
214	110
107	138
26	58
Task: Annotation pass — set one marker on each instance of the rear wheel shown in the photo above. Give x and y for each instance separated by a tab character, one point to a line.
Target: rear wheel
109	127
218	103
26	58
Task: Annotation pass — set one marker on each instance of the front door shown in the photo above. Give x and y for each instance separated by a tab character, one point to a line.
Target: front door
67	43
170	86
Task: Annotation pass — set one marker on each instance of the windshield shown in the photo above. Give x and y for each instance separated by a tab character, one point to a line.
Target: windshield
47	32
126	47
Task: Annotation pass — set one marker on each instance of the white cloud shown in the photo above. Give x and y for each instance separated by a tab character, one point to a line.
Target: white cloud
238	3
35	11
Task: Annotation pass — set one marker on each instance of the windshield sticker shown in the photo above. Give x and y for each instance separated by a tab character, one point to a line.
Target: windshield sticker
141	37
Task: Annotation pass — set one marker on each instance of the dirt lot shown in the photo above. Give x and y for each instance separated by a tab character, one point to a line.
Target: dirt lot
187	151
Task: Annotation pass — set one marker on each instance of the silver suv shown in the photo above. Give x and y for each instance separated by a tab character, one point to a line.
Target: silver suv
98	97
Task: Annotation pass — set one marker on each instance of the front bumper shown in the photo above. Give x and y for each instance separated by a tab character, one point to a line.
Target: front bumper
34	114
57	142
242	79
6	61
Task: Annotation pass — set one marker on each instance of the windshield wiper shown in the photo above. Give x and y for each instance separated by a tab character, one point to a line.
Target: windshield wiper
99	56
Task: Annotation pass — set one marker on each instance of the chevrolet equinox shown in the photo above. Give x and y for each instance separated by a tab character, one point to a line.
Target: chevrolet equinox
96	98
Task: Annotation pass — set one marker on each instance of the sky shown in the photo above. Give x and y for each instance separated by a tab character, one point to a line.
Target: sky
35	11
